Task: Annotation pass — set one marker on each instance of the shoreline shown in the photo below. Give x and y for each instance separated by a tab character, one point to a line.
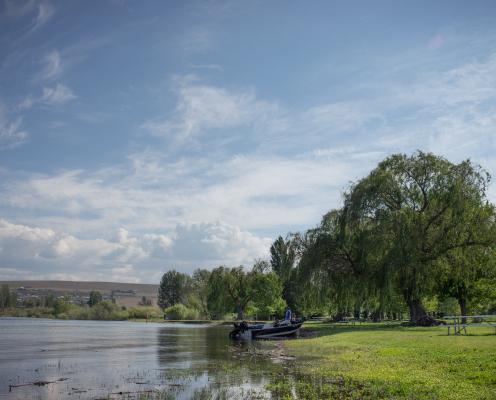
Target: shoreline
140	320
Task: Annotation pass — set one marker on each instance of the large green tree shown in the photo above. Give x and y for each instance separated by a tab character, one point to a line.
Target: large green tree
234	289
282	261
200	279
463	271
174	288
411	211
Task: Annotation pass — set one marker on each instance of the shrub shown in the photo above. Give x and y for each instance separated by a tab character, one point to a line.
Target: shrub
61	307
181	312
77	312
106	310
141	312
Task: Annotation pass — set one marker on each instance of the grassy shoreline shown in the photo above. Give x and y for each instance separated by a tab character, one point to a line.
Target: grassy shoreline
395	362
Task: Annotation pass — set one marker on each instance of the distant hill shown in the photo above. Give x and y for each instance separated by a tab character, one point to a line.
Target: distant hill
128	294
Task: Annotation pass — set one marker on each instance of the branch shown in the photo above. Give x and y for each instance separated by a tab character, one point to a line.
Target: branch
468	243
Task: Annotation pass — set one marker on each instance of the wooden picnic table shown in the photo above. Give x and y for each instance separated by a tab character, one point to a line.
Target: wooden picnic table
352	320
458	325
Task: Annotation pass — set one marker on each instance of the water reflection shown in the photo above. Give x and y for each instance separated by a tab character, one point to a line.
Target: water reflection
210	365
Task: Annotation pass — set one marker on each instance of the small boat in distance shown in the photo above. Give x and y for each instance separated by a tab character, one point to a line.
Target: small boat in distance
265	331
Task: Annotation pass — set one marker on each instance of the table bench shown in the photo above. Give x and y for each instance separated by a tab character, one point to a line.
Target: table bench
459	326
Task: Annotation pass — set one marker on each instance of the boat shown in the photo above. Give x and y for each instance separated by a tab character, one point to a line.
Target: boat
265	331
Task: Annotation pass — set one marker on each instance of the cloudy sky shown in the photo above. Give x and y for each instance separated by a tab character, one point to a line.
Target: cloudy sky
137	137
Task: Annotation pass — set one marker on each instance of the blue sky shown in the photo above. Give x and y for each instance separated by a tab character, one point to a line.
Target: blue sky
137	137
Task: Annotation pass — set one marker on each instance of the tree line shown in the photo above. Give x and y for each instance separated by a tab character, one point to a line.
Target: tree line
221	292
416	231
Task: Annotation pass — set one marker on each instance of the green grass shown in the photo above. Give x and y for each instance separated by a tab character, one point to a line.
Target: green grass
390	361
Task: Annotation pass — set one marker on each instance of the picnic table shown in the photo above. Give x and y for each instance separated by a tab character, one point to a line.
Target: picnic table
461	322
351	320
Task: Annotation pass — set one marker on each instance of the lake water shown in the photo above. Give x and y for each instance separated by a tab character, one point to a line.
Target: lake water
93	359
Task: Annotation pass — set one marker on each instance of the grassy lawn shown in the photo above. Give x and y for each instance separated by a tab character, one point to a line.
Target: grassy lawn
390	361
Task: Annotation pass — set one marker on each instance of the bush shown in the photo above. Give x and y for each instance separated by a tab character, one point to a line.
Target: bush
76	312
141	312
181	312
36	312
61	306
106	310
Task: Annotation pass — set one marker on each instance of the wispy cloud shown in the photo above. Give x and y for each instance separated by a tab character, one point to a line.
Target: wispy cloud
470	83
27	103
202	108
53	65
53	96
59	94
11	134
45	13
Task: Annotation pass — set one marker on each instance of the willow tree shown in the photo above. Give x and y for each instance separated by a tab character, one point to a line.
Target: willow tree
329	274
463	272
411	211
326	265
282	260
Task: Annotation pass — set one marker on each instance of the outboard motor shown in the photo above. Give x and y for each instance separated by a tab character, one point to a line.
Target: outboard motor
238	330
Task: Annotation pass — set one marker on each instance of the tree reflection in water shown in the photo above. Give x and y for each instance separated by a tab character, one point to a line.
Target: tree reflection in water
204	363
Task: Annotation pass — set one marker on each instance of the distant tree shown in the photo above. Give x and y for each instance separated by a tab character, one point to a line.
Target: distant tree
174	288
200	289
266	293
234	289
261	266
5	296
33	302
49	300
95	298
13	298
282	260
61	306
145	301
219	299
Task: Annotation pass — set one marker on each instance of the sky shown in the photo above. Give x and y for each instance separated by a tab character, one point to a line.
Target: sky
138	137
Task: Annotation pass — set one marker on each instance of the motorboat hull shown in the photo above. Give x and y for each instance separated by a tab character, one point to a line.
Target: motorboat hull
265	331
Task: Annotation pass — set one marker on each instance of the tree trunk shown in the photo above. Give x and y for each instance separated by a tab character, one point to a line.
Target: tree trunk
240	316
376	316
463	308
339	316
418	315
417	310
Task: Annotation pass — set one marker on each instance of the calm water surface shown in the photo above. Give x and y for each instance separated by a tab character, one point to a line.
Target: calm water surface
94	359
